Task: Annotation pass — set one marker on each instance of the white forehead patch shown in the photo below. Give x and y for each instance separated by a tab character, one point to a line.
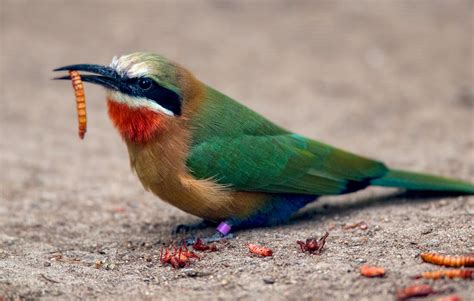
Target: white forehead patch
127	65
137	102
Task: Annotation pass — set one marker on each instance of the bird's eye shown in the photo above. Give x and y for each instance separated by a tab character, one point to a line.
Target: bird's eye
145	83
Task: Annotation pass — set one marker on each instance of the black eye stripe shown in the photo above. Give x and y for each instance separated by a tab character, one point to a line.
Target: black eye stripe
138	87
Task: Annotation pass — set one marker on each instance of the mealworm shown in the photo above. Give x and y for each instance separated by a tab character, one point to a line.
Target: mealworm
415	291
456	273
262	251
370	271
448	260
80	102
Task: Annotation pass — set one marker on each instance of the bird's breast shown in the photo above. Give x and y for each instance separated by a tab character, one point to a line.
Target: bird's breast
138	125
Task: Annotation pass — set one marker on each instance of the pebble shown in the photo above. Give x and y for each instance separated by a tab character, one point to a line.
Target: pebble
427	231
268	280
442	203
194	273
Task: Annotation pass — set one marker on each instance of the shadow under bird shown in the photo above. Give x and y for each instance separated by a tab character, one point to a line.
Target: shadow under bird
212	157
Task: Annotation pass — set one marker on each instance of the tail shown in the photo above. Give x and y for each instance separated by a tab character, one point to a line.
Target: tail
418	181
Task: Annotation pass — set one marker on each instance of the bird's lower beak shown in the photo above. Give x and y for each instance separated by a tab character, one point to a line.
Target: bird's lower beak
107	77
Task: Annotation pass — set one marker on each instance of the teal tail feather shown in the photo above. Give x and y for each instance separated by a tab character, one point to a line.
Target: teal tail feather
418	181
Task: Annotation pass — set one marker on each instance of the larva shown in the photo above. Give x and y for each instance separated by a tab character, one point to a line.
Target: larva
80	102
448	260
456	273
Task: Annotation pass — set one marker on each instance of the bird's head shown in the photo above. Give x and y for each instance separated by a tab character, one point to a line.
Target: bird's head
145	93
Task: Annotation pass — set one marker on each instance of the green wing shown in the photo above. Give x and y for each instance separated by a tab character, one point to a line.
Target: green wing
237	147
281	164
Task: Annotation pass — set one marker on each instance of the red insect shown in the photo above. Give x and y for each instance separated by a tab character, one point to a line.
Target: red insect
370	271
179	259
80	102
448	260
259	250
312	245
455	273
200	246
415	291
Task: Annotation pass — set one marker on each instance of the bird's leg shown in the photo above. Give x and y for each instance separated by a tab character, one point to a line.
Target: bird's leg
222	232
185	228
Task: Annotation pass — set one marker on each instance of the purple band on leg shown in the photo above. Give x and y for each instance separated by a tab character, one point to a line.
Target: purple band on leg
223	228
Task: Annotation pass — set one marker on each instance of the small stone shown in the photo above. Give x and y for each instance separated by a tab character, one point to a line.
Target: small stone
443	203
268	280
194	273
47	264
191	273
56	257
98	264
427	231
361	260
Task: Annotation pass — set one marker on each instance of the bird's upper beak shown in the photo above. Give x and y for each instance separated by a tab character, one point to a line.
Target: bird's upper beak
106	77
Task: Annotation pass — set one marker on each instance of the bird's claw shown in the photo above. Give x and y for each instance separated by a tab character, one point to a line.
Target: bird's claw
181	228
214	238
186	228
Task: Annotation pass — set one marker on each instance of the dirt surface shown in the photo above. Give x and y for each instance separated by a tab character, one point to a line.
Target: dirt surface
389	80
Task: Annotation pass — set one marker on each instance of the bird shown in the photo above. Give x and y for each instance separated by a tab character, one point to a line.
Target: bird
210	156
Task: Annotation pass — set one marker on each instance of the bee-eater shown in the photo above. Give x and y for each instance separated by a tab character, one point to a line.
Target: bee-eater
212	157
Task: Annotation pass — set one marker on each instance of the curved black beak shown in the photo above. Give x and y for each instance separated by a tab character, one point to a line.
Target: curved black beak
107	77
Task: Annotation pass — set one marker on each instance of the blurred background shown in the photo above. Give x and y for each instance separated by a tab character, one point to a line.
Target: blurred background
388	79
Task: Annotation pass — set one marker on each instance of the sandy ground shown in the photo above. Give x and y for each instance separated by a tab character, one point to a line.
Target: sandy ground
389	80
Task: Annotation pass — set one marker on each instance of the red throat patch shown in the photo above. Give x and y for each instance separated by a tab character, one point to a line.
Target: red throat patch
137	125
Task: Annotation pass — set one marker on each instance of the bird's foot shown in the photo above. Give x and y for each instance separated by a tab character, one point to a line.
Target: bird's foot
222	232
186	228
216	237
